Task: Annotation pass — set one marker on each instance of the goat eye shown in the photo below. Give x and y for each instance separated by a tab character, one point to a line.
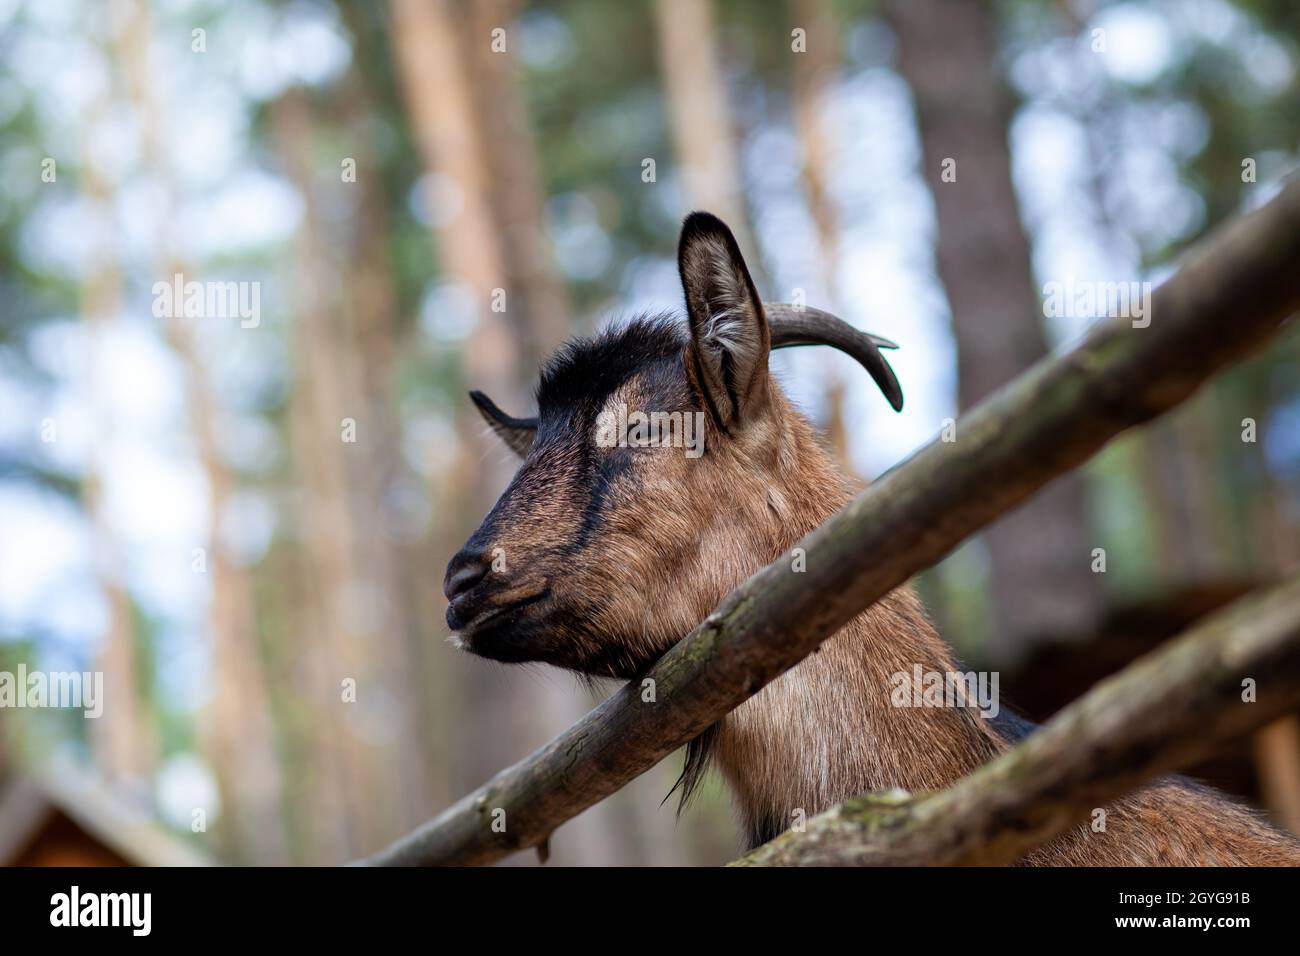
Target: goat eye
624	431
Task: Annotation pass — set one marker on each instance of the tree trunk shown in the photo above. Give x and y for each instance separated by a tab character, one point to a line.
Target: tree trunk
814	72
123	739
238	734
1277	762
442	51
395	562
1040	555
697	108
538	300
325	403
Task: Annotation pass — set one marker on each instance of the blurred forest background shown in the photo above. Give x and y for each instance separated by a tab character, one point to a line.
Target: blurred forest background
238	522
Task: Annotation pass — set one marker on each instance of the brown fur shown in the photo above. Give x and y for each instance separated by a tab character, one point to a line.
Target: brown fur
613	554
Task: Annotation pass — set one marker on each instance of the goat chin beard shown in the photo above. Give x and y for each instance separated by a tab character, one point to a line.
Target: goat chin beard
621	666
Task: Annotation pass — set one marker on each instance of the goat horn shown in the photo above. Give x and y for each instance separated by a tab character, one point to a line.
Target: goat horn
804	325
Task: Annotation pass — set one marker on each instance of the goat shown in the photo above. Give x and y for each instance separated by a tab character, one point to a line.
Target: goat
600	555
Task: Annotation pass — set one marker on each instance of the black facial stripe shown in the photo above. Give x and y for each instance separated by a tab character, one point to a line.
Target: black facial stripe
603	475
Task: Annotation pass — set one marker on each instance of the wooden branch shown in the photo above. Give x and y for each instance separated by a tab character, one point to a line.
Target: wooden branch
1172	707
1228	299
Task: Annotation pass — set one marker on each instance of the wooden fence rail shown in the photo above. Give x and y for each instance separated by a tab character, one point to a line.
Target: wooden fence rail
1232	294
1173	707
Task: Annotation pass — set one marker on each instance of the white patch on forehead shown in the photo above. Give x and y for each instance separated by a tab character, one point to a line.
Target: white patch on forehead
622	395
613	414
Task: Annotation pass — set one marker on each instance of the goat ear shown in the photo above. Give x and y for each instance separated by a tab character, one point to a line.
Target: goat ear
518	433
729	334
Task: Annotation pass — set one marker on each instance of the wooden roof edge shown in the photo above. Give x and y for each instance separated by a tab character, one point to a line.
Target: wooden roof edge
93	805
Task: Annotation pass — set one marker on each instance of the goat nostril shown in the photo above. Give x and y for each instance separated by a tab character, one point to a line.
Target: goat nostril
465	571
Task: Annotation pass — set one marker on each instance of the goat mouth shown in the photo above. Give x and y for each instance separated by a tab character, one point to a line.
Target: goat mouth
466	629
